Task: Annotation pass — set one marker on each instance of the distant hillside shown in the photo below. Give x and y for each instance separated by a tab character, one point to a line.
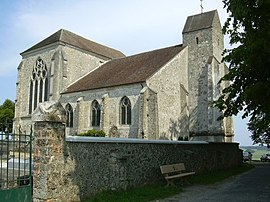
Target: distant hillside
257	151
254	148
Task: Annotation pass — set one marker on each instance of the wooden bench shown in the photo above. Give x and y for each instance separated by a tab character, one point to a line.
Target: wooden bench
174	171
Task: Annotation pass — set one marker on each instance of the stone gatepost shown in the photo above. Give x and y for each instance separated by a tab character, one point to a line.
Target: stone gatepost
49	174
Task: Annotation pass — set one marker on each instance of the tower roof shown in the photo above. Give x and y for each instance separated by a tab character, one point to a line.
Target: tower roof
75	40
199	21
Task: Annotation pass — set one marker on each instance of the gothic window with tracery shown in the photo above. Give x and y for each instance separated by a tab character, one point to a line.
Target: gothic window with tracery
125	111
95	113
69	113
39	85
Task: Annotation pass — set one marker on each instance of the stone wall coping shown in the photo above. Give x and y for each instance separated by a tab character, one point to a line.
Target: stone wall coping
127	140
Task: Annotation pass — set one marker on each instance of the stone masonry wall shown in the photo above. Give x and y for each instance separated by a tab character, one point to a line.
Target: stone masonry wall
94	167
203	45
65	65
78	167
110	99
22	116
50	182
167	83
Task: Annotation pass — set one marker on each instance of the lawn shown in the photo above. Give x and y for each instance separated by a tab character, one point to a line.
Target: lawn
159	191
139	194
258	153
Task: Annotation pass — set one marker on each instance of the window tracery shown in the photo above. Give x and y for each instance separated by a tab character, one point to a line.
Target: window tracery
125	111
95	113
39	85
69	113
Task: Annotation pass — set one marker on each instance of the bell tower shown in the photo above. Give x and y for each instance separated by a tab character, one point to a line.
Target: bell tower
203	36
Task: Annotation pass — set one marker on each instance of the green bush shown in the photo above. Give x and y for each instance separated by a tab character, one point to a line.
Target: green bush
93	133
185	138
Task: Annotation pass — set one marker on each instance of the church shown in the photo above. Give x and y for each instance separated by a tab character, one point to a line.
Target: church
166	93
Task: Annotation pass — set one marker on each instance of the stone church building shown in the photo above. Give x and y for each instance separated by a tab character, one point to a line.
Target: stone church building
160	94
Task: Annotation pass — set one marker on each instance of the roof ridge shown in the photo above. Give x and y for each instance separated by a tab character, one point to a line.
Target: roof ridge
61	34
78	41
199	21
150	51
203	13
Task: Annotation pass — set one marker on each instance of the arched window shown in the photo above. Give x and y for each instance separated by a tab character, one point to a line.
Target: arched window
38	85
69	112
95	113
30	97
125	111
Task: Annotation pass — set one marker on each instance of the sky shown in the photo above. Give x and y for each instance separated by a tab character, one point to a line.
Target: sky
129	26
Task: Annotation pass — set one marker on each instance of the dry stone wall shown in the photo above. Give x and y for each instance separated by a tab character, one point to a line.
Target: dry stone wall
120	165
73	168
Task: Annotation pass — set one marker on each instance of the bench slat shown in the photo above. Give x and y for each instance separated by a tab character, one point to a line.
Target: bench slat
179	175
172	168
173	171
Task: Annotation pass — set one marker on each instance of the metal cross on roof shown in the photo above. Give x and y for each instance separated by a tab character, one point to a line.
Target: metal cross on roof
201	6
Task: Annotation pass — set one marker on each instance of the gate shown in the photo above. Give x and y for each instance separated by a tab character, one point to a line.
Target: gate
16	182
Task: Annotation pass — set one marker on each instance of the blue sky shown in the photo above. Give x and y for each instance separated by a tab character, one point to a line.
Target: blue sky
129	26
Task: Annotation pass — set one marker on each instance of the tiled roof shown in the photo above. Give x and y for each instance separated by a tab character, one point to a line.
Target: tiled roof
128	70
70	38
200	21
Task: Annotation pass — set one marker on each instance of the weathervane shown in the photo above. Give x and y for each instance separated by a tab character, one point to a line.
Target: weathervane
201	6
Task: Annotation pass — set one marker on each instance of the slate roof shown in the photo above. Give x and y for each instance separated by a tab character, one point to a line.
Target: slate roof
70	38
128	70
200	21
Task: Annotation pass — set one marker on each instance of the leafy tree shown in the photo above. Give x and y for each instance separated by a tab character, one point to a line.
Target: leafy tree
249	62
7	110
260	130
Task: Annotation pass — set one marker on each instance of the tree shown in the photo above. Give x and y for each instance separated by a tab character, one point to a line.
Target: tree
7	110
249	65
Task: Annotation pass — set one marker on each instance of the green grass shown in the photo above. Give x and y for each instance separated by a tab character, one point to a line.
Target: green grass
257	154
159	191
218	176
139	194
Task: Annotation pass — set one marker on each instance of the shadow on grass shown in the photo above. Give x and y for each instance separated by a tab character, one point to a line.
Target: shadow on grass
145	193
217	176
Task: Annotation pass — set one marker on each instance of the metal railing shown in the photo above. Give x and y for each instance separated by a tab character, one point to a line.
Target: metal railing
15	160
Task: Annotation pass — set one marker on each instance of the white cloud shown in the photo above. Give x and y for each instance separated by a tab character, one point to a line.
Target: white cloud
115	22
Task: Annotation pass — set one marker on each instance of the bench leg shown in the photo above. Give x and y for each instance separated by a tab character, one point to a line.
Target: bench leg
185	180
170	183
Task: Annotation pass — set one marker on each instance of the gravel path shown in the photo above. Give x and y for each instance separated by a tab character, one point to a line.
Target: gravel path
252	186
